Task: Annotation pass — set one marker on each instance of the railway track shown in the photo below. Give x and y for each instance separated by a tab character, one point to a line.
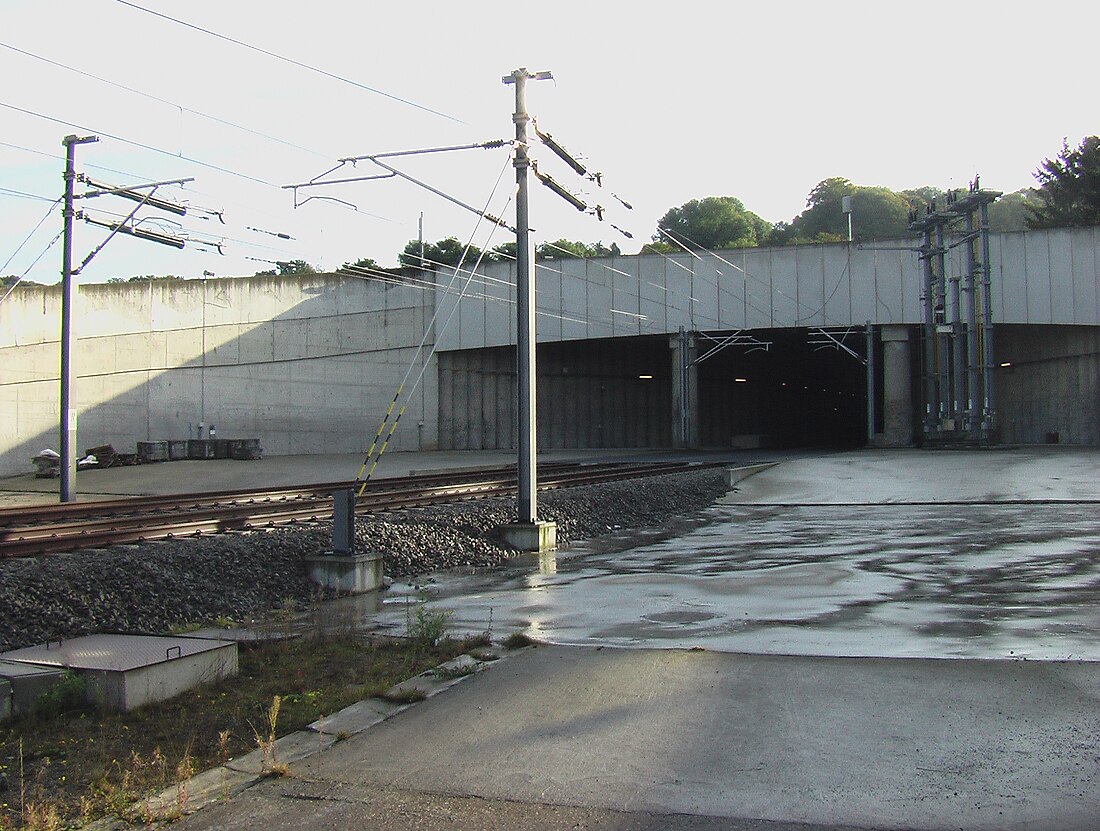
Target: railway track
50	529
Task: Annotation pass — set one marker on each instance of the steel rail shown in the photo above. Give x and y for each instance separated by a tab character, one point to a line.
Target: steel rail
27	515
122	528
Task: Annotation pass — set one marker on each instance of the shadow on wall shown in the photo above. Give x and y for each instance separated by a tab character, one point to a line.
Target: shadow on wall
304	364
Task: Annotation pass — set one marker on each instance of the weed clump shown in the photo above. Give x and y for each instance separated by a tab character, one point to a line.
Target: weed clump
518	640
427	627
68	695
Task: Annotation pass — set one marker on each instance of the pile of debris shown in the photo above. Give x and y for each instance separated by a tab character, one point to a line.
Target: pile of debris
48	463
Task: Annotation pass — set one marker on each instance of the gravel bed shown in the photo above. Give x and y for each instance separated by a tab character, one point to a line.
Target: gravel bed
157	586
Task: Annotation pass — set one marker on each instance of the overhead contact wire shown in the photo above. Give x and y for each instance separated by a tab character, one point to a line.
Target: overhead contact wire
157	98
143	146
292	61
373	463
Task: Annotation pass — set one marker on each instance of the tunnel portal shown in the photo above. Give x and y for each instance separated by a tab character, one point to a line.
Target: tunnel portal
794	388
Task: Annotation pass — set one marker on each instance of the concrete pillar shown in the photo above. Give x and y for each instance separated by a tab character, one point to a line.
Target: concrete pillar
685	390
897	387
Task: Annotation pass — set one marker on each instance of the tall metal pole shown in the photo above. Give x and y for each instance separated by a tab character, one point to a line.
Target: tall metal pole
943	368
420	236
987	319
975	397
525	297
959	406
931	405
68	412
870	384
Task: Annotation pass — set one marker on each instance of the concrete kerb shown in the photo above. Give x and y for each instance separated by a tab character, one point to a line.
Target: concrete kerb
239	774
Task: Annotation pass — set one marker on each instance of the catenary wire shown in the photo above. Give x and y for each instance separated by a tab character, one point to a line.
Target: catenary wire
27	239
27	270
293	61
20	194
372	460
715	283
62	158
143	146
157	98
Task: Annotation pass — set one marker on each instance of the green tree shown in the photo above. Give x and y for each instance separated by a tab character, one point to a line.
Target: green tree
447	251
877	213
365	263
1012	211
143	278
1069	188
714	222
565	249
598	249
920	197
290	268
502	253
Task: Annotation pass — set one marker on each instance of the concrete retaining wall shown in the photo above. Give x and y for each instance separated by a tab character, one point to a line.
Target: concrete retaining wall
309	364
305	364
1052	388
1039	277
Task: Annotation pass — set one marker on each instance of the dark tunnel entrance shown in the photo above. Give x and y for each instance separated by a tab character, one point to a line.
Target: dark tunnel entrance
803	391
622	392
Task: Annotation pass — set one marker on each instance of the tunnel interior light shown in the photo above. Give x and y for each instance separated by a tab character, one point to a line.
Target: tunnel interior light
1007	363
645	377
741	380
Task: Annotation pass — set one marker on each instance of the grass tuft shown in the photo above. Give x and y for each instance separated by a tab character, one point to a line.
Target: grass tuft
408	695
518	640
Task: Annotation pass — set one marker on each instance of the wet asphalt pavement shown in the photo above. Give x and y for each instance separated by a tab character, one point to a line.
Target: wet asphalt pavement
886	577
1005	581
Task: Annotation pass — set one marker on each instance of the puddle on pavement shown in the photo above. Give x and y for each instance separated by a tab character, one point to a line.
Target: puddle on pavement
915	581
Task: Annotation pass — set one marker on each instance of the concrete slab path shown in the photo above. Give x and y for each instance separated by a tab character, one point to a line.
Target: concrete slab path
871	743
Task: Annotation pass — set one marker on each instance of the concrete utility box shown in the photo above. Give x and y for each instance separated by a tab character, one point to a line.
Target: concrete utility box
26	683
124	672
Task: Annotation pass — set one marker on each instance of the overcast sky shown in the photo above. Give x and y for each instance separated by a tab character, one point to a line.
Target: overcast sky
669	101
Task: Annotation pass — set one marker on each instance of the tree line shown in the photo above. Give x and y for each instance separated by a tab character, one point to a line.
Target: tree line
1068	195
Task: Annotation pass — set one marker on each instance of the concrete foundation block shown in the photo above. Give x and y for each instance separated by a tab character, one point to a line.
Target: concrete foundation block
526	536
345	574
26	682
124	672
